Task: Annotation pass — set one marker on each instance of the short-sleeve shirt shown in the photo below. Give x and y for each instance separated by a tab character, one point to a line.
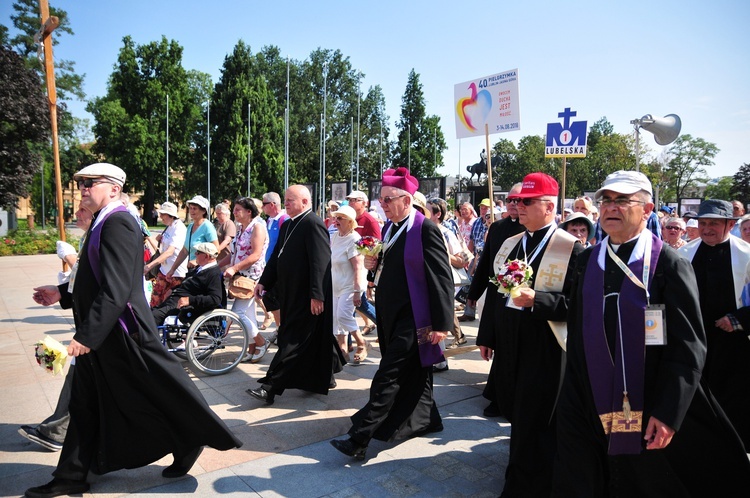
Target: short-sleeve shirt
174	236
368	226
223	230
204	233
478	231
342	272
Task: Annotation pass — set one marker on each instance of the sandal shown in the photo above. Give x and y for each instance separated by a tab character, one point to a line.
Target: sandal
368	330
249	354
361	354
266	323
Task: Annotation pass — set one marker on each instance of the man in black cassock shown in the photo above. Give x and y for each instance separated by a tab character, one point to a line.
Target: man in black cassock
414	312
201	291
528	350
132	402
488	329
299	271
667	436
720	262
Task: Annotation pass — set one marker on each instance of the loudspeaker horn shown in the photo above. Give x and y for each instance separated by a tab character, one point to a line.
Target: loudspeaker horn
665	129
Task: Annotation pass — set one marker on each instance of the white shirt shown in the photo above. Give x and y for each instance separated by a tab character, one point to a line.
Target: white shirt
174	236
342	272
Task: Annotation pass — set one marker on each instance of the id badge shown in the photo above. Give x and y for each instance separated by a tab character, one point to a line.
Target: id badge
509	304
656	325
72	280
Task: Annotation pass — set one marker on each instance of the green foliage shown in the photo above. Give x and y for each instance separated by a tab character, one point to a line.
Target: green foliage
721	189
741	184
420	142
24	127
23	241
688	158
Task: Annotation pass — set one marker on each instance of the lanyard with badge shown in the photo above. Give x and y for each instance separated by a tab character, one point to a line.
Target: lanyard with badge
655	319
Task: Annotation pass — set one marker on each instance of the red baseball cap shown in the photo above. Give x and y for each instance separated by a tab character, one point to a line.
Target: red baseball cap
538	185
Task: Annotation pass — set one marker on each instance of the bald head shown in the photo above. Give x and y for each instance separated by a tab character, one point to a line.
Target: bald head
297	200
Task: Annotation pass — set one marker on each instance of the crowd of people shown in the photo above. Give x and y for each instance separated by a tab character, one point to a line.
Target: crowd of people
620	361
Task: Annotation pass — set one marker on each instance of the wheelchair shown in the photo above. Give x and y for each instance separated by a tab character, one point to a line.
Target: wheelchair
212	343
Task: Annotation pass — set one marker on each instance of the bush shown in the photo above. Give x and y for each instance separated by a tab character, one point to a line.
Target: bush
23	241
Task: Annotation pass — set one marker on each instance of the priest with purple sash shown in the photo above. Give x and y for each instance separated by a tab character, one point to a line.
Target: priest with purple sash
132	401
634	416
414	313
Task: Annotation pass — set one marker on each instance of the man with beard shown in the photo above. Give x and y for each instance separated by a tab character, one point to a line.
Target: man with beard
131	401
299	272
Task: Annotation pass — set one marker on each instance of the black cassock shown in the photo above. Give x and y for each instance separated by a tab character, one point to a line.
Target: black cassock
132	402
705	456
401	401
300	270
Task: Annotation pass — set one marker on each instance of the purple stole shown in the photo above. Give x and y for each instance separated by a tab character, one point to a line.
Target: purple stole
606	379
95	237
429	353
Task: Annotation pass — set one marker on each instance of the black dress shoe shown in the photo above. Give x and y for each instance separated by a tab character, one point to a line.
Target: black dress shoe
332	384
492	410
182	464
437	369
58	487
430	429
349	447
261	394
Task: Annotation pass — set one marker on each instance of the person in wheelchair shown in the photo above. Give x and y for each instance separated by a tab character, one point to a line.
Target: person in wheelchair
200	292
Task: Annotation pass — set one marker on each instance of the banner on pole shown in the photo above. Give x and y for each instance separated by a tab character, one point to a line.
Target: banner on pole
491	100
566	139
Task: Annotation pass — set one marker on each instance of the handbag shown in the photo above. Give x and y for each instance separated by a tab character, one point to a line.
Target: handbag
460	277
154	272
241	287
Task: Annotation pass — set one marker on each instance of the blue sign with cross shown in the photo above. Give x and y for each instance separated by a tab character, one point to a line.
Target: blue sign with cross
566	139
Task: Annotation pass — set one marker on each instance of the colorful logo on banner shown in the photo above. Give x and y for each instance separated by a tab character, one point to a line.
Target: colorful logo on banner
492	100
566	139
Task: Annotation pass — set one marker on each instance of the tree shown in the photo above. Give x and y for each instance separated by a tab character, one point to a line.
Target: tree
420	142
688	158
27	21
741	184
24	127
130	121
242	84
722	189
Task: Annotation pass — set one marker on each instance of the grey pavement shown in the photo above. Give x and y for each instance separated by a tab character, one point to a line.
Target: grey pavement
286	450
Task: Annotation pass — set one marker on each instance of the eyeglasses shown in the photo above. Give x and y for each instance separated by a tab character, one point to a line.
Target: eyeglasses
620	202
388	199
266	203
355	199
672	228
341	218
526	202
89	182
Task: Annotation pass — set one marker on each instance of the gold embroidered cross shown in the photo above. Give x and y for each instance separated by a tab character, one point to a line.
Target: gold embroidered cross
549	275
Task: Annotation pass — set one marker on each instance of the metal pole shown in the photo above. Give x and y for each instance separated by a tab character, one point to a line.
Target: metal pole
435	140
286	130
325	104
359	75
166	199
208	153
249	133
637	148
351	155
408	140
381	147
44	212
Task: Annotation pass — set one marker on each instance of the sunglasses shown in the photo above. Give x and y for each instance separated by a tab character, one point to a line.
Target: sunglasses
672	228
341	218
89	182
389	199
527	201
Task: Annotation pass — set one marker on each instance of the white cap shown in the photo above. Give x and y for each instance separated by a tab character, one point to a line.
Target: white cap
102	170
625	182
349	212
692	223
358	194
207	248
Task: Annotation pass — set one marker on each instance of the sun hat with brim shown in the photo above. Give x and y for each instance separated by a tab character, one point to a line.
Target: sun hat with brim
168	208
419	201
109	172
348	212
580	217
207	248
332	204
715	208
200	201
625	182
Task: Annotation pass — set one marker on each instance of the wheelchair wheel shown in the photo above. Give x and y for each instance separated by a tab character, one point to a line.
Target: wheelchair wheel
216	342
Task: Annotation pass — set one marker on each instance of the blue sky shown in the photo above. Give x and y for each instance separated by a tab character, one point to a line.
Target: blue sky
621	60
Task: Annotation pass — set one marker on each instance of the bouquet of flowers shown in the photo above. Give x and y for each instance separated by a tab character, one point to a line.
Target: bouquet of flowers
512	277
50	355
369	245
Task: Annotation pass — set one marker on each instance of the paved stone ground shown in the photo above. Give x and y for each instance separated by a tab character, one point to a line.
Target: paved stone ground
286	449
